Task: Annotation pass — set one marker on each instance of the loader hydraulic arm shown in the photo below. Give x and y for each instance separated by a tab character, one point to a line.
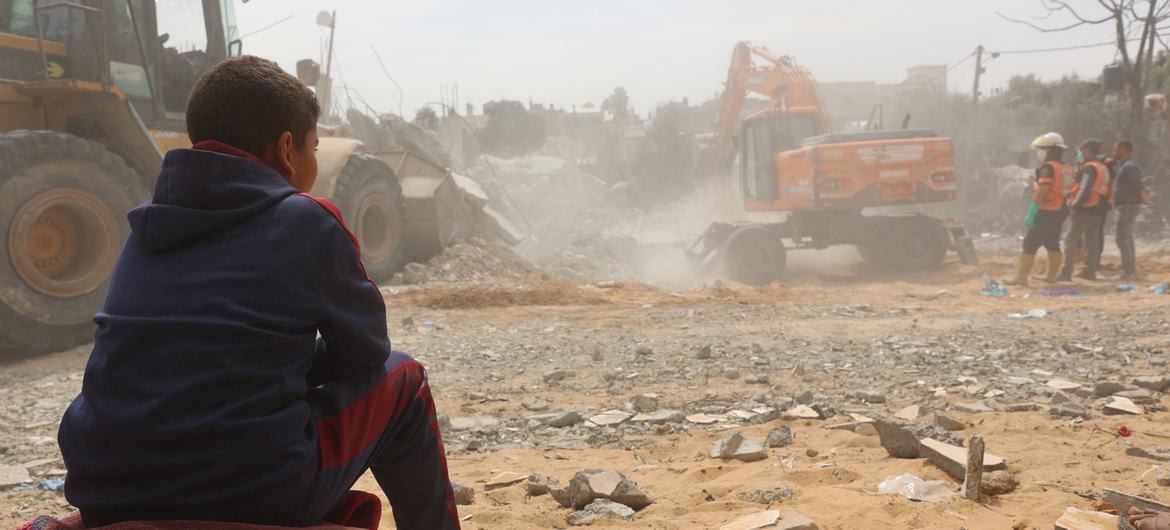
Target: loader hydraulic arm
777	78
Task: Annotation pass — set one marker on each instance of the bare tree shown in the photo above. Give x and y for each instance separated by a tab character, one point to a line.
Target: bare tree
1132	21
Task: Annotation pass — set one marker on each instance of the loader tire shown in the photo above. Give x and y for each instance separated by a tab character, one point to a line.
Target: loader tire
370	198
63	205
753	255
910	244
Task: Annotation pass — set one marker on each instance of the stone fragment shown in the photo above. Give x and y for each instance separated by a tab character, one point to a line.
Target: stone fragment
802	412
600	509
504	479
898	441
463	495
870	396
560	418
953	459
731	373
644	351
1107	388
1021	407
477	422
556	376
910	413
1141	396
866	429
660	417
757	379
1062	384
772	520
1078	519
609	417
1157	383
538	485
645	402
591	484
11	476
948	423
805	398
972	408
1120	405
999	483
1068	410
703	419
1060	397
704	352
414	274
766	495
535	405
733	446
779	437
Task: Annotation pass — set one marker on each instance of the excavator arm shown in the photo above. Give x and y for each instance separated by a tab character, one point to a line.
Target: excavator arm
777	78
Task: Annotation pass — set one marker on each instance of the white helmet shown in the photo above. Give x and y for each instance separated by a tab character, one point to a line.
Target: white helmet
1046	140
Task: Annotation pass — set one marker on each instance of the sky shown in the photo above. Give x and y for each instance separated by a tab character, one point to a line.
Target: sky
569	53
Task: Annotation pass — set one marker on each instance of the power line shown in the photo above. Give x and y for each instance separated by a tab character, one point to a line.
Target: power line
1062	48
268	27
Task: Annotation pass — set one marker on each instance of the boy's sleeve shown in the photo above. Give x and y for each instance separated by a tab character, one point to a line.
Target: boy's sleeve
353	315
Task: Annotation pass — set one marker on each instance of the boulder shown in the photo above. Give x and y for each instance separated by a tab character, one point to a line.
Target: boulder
591	484
601	509
779	437
463	494
734	446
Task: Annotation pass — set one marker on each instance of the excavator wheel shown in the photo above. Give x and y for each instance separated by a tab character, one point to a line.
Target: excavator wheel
909	244
63	204
370	198
753	255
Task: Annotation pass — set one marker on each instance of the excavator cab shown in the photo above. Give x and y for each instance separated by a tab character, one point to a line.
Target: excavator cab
765	135
92	92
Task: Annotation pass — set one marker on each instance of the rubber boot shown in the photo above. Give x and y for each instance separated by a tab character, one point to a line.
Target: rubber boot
1055	260
1023	270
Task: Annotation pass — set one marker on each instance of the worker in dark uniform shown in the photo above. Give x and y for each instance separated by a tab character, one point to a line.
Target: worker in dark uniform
1088	200
1046	217
1129	190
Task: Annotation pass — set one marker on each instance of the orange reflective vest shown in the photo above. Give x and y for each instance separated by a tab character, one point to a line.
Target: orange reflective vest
1100	190
1053	200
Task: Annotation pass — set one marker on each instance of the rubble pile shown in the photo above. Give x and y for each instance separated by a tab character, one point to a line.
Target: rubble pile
471	261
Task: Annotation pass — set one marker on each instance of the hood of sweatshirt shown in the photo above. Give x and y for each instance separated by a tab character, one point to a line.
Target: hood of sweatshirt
204	190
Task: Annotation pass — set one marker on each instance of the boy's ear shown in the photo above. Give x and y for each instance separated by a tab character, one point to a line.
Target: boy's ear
279	155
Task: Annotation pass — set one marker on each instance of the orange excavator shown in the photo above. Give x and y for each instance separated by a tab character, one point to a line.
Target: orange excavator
790	161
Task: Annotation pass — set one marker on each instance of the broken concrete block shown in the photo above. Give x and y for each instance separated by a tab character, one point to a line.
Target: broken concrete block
591	484
504	479
1162	474
948	423
1120	405
556	376
1026	406
660	417
538	485
802	412
1062	384
972	408
474	423
998	483
1078	519
600	509
779	437
898	441
645	403
463	494
768	495
953	459
704	419
609	417
561	418
1107	388
1068	410
772	520
1157	383
910	413
734	446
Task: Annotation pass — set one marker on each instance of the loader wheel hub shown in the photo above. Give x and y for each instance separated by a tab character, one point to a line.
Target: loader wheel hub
63	242
374	230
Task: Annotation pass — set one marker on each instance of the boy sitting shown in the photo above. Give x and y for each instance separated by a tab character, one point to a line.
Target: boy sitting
208	395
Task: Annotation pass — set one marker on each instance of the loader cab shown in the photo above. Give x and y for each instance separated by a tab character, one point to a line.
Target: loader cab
153	50
765	135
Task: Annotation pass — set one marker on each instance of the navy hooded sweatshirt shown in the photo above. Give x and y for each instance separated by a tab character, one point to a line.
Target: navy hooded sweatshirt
194	398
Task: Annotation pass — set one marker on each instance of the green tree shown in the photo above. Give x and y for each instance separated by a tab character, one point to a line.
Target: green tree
617	104
426	118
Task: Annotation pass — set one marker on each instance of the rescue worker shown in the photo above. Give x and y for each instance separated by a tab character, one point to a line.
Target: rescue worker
1129	190
1046	217
1087	200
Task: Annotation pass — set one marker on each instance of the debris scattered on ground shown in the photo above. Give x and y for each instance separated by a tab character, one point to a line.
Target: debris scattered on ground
915	489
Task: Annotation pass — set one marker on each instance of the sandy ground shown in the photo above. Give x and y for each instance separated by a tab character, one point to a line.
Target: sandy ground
832	332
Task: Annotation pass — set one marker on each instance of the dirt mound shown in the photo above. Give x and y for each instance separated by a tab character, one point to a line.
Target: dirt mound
481	296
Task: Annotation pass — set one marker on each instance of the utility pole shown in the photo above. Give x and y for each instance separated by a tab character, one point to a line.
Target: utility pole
979	70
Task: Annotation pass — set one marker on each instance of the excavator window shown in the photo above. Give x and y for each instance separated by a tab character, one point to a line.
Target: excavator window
16	17
764	137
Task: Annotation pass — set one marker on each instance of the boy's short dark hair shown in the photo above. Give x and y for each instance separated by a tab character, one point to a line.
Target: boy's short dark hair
247	102
1125	144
